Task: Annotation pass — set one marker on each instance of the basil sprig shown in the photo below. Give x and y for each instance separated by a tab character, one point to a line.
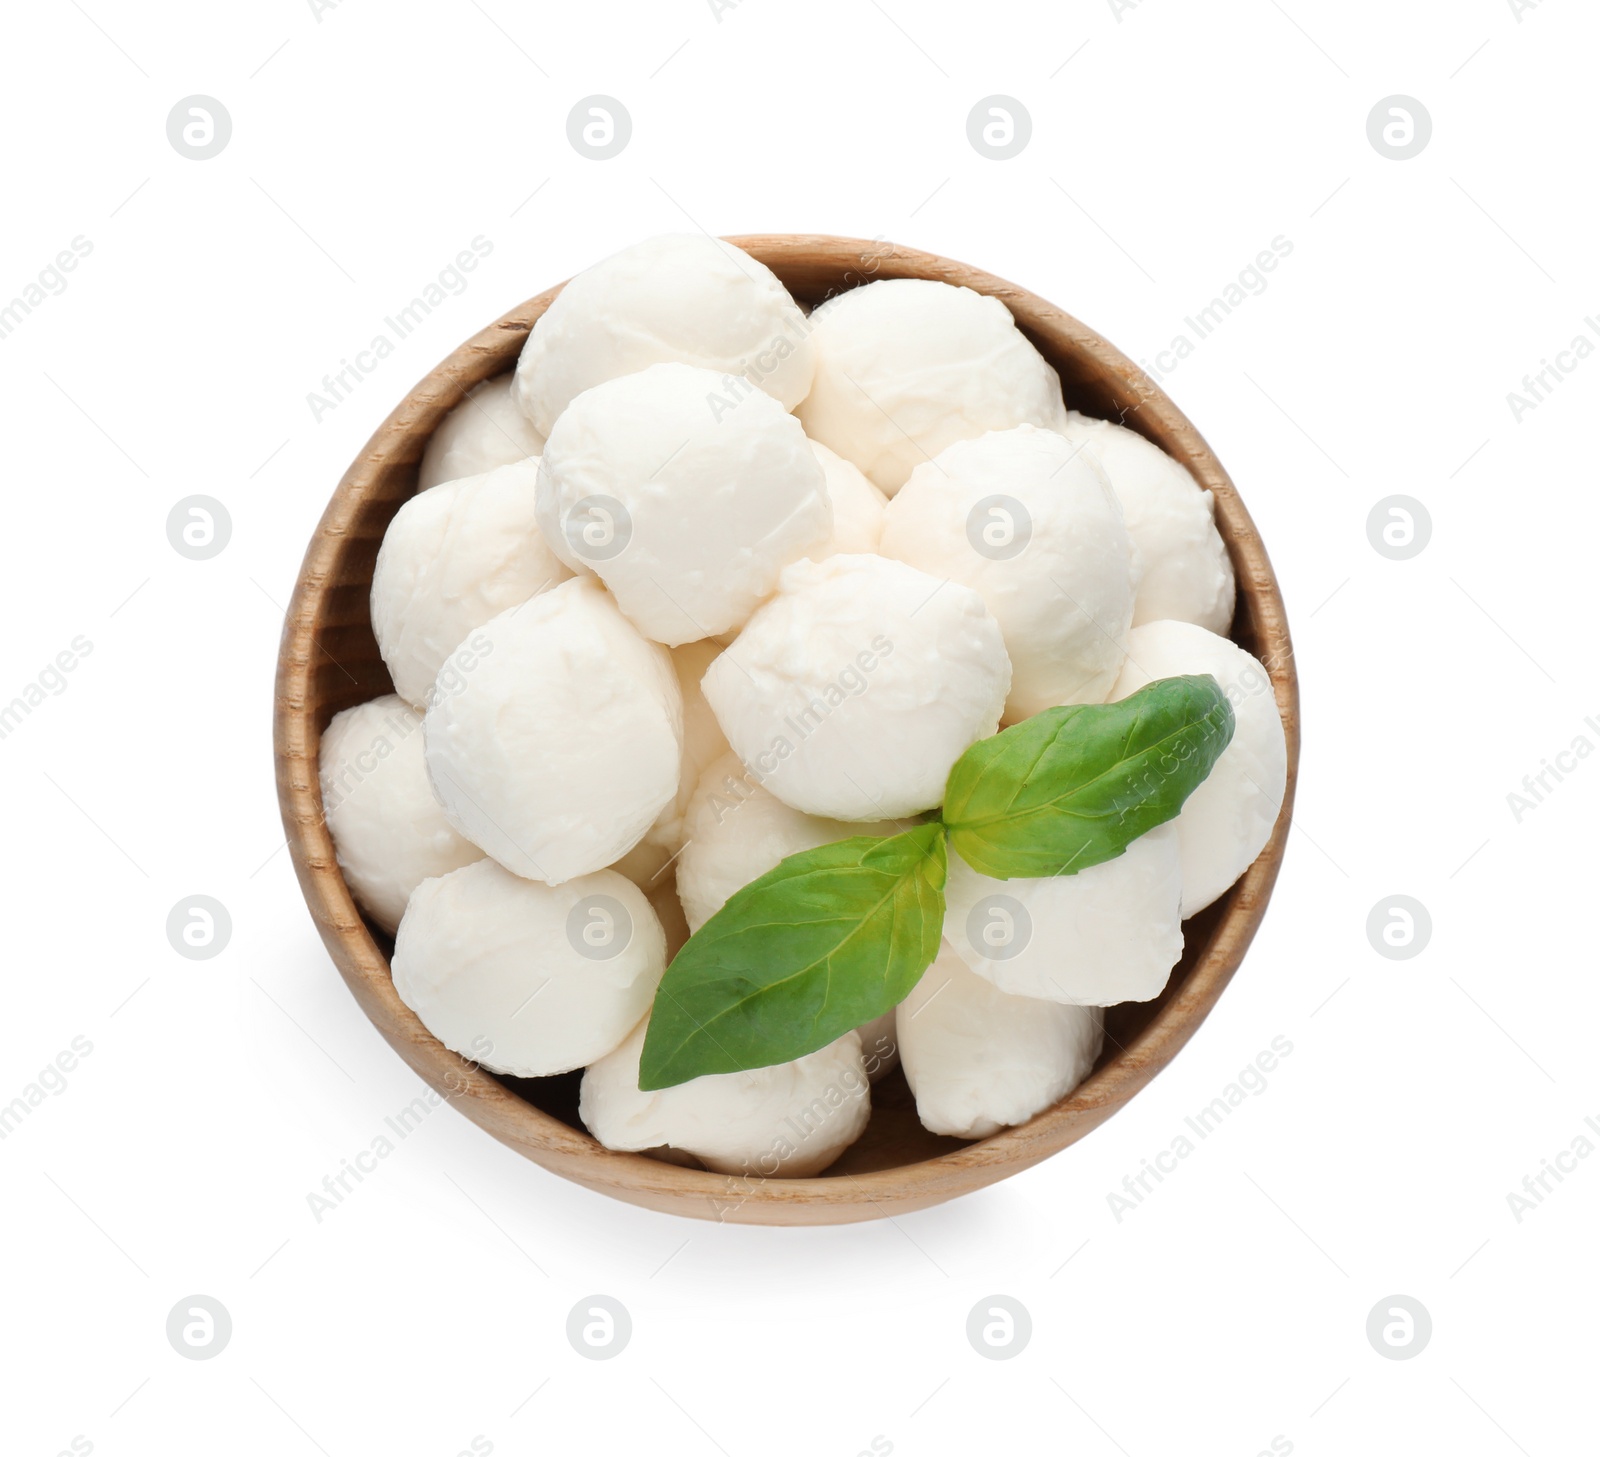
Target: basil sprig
828	939
833	937
1073	787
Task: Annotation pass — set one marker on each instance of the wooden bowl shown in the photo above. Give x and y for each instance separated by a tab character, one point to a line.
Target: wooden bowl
329	661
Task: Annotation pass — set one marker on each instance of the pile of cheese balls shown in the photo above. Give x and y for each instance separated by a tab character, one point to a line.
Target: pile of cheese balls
709	581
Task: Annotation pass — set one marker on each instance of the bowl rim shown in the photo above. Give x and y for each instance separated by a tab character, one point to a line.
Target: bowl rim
540	1136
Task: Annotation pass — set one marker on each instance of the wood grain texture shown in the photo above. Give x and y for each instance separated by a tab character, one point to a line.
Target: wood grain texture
329	660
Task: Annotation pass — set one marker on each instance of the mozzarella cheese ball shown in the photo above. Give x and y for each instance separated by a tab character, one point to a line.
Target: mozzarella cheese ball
389	833
857	507
852	692
557	752
1025	518
487	429
791	1120
679	298
524	978
687	517
1184	570
1227	821
452	558
736	830
979	1060
1111	933
908	366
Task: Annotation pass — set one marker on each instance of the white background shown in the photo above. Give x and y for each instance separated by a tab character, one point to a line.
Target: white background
1170	145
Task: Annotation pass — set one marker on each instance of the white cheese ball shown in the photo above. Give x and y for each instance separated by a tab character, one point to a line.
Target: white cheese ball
857	507
1184	570
979	1060
560	748
852	692
524	978
679	298
1228	820
908	366
686	517
737	830
1026	519
487	429
788	1121
389	834
452	558
1111	933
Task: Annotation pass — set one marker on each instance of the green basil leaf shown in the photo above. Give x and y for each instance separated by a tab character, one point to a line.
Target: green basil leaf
826	940
1073	787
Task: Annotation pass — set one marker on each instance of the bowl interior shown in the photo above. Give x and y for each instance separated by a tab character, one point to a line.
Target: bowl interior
330	661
